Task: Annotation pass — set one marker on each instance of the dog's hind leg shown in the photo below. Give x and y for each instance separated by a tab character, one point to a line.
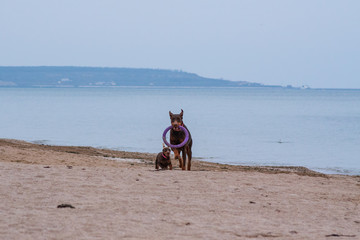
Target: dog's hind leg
184	159
189	153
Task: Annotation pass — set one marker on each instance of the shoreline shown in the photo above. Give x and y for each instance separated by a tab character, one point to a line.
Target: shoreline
119	195
145	158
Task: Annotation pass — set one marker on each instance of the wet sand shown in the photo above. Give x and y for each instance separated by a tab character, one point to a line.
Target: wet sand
119	195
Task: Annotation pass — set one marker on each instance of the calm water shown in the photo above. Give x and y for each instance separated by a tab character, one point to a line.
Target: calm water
319	129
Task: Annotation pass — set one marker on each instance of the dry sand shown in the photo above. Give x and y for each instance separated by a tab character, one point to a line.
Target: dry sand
118	195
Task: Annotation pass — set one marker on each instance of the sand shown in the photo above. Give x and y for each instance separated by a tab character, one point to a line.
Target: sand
119	195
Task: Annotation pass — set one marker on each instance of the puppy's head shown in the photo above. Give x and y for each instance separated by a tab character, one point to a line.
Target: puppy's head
166	151
176	120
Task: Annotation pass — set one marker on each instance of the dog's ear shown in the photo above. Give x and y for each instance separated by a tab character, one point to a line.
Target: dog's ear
170	114
163	145
182	113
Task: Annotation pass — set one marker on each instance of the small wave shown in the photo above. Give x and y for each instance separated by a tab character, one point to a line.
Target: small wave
41	142
338	170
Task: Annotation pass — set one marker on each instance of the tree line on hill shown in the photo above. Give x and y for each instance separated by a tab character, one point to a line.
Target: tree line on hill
107	77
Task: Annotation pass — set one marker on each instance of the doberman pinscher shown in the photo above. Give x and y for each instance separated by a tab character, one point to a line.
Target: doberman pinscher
177	136
163	159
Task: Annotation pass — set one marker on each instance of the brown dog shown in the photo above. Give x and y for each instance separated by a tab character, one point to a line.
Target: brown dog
163	159
177	136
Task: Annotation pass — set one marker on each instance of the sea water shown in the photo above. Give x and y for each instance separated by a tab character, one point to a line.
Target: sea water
318	129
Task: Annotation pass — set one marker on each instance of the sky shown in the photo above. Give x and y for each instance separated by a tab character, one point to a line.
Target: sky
273	42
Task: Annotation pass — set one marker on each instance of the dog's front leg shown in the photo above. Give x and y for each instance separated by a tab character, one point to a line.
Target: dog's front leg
156	165
177	156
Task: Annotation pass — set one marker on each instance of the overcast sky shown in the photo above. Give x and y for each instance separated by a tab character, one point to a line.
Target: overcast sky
281	42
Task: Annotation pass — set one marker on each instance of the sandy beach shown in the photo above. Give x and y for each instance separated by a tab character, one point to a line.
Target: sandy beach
119	195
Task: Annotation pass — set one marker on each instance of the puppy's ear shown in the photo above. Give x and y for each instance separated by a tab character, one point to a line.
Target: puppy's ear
170	114
182	113
163	145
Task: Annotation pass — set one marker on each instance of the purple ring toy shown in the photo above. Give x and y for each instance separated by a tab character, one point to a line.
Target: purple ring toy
179	145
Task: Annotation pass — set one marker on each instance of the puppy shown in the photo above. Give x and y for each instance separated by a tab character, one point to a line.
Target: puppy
163	159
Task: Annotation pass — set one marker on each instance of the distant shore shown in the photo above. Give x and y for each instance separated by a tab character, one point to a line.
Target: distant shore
118	194
71	76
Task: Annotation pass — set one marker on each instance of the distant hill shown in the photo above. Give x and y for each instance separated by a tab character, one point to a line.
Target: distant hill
101	77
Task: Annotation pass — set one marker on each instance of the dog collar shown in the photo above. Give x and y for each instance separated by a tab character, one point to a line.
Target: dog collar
164	156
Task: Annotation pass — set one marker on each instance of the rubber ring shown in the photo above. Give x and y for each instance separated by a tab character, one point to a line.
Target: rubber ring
179	145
